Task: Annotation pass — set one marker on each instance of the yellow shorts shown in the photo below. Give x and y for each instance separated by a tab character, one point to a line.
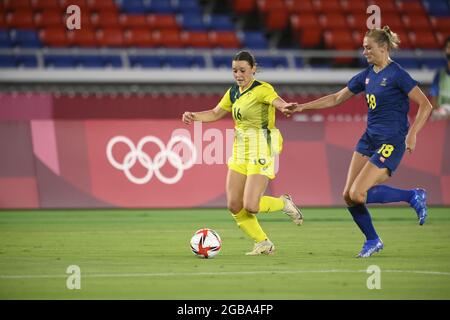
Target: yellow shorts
263	166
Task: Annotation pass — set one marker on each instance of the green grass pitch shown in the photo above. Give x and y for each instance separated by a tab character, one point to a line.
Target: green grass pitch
145	254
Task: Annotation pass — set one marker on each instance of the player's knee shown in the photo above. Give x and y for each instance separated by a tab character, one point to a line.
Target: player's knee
347	198
251	207
357	196
234	206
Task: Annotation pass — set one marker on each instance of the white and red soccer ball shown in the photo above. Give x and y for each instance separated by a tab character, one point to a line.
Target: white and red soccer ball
206	243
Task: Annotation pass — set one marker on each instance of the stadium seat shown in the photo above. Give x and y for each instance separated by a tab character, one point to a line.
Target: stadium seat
441	24
299	63
49	18
133	6
139	37
7	61
417	22
243	6
327	6
184	62
220	22
54	37
192	22
424	39
133	21
161	6
188	6
168	38
59	61
224	39
301	22
22	19
105	19
411	7
310	38
102	5
92	61
110	37
272	62
84	37
437	7
335	39
357	21
299	6
142	61
386	6
222	62
162	21
254	40
25	38
333	21
405	42
354	7
80	3
2	22
276	20
17	5
5	39
195	39
44	5
393	20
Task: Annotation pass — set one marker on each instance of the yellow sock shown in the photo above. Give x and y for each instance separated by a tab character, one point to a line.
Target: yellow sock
270	204
250	225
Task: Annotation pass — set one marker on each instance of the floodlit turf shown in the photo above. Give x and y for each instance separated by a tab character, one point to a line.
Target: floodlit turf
144	254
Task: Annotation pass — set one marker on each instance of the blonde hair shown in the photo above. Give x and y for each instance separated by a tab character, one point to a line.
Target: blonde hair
384	36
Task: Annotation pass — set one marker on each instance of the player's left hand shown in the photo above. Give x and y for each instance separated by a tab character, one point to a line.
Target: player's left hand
289	108
410	142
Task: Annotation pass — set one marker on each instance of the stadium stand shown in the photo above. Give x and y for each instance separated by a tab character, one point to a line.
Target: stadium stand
329	26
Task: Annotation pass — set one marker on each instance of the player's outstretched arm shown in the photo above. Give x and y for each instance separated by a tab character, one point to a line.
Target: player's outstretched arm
423	113
282	105
328	101
204	116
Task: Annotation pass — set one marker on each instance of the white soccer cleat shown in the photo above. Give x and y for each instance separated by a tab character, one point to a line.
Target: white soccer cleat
263	247
292	210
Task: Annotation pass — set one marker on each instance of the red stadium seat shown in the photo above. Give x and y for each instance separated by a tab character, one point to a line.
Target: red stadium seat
85	18
17	5
411	7
104	19
22	19
133	21
299	6
386	6
54	37
351	6
276	20
110	37
224	39
357	21
405	43
243	6
2	22
441	24
102	5
162	21
333	21
339	39
49	18
44	5
327	6
85	37
442	37
80	3
141	38
393	20
195	39
310	38
270	5
424	39
169	38
304	22
417	21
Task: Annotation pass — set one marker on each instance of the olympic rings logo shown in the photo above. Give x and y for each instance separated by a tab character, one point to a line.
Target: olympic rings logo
153	166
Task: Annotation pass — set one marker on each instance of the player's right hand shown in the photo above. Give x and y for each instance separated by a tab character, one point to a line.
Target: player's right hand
188	117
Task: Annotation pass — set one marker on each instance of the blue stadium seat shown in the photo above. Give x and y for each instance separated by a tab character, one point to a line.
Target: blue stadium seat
298	62
25	38
437	7
192	22
198	62
133	6
184	62
140	61
59	61
7	61
254	40
220	22
5	40
92	61
161	7
189	6
272	62
434	63
26	61
221	62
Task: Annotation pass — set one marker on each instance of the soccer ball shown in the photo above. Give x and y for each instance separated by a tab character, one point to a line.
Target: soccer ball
206	243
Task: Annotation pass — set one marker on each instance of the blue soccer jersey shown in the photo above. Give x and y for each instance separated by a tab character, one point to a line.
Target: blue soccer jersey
387	99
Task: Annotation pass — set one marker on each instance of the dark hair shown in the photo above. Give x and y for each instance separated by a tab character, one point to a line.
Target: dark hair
245	56
384	36
447	41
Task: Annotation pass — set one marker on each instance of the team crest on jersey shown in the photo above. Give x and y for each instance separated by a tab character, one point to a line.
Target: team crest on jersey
383	82
367	81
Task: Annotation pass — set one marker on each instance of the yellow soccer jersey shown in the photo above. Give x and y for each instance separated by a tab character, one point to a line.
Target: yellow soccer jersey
254	118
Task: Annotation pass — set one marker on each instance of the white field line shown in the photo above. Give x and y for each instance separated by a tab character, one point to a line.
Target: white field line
231	273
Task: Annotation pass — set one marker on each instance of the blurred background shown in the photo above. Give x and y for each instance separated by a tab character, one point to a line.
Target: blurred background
135	66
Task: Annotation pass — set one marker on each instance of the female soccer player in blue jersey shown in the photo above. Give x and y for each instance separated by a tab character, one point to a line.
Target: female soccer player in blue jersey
257	141
388	88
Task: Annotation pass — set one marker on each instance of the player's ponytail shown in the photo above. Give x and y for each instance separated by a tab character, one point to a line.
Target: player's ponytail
384	36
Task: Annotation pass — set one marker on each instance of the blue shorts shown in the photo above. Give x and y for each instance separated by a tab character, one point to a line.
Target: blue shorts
383	152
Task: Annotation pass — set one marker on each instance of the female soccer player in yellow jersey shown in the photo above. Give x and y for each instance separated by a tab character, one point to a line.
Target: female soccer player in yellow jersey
256	143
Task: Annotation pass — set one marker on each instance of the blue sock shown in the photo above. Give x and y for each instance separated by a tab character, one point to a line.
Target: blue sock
385	194
362	218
